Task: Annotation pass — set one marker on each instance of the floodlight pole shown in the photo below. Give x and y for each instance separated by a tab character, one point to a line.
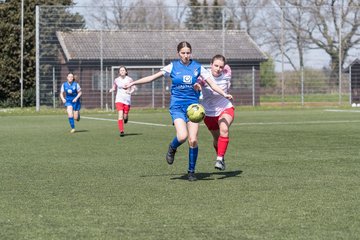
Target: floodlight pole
22	55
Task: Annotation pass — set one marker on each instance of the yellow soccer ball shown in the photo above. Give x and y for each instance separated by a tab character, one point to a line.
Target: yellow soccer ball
195	112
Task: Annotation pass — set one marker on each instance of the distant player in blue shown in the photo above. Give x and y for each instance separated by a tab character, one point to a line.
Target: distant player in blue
184	74
70	94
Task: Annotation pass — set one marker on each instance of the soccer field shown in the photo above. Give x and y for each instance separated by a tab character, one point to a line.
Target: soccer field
291	174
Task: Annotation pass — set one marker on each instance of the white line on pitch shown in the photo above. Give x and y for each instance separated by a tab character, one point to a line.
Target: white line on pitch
152	124
100	119
296	123
114	120
339	110
237	124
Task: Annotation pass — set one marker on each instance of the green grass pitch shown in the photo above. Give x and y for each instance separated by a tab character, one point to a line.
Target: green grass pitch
291	174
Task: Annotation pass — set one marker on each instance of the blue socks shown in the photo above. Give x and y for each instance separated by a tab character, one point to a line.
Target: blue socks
175	143
193	154
72	124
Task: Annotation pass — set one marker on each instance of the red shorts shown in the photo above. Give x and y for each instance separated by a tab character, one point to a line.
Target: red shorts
122	107
212	123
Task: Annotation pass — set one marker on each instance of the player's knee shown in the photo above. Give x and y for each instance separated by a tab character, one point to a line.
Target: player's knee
182	137
193	142
224	132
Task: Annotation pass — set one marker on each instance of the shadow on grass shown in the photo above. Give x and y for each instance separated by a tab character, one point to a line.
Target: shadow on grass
132	134
202	175
211	176
81	131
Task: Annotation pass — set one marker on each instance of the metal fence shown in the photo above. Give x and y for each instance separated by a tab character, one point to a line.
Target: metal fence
303	73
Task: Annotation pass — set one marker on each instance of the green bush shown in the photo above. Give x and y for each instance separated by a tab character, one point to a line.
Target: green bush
29	97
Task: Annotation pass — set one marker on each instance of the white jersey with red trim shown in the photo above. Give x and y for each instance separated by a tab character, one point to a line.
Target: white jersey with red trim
213	102
123	95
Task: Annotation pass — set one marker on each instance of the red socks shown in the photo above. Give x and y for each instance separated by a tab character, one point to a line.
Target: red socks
222	146
121	125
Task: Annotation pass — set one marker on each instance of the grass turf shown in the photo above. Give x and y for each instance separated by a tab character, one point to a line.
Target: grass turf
291	174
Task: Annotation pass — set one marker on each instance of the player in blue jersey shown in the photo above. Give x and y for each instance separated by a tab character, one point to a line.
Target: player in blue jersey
184	73
70	94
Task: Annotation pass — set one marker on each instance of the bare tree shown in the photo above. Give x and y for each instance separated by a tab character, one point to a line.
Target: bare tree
179	12
286	32
108	13
244	14
139	14
295	26
334	27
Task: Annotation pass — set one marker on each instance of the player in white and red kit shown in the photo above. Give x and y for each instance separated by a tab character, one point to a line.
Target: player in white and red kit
219	110
123	97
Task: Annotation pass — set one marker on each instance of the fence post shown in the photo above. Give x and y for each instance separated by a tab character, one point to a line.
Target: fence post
340	55
22	56
54	88
302	85
106	89
101	71
253	86
37	44
152	91
350	92
282	54
112	93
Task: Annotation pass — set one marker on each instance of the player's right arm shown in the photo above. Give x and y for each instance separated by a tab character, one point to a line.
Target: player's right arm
113	88
145	79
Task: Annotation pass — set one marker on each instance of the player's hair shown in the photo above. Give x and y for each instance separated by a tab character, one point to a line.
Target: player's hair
126	71
220	57
182	45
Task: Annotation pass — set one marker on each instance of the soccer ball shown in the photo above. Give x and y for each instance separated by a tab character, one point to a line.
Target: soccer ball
195	112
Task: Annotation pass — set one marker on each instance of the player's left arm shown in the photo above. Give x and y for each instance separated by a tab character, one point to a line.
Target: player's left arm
217	89
131	89
227	73
211	82
79	93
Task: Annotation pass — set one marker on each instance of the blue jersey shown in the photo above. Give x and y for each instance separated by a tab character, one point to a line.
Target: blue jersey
71	91
183	79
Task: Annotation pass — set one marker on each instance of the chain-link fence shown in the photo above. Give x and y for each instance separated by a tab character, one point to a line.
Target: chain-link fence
279	55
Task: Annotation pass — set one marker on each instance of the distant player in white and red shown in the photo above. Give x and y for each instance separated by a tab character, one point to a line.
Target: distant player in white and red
70	94
219	110
123	97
